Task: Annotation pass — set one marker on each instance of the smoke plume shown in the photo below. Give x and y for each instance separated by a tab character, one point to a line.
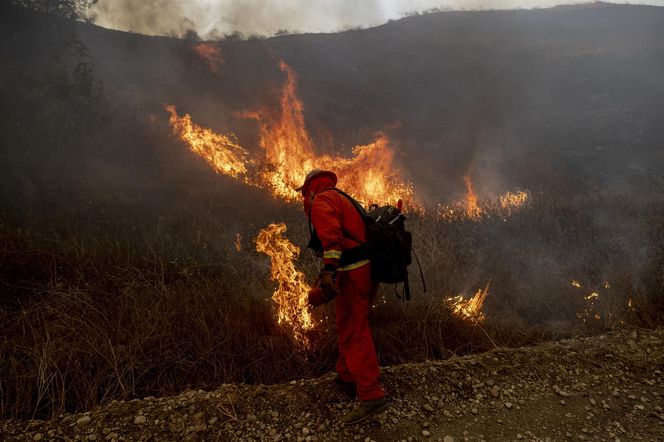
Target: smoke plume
216	18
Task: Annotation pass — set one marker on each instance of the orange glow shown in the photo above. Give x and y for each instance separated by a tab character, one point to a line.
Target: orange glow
238	242
290	296
210	55
221	151
288	154
511	201
473	210
470	309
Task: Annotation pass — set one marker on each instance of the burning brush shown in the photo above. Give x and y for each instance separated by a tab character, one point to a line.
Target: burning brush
470	309
291	293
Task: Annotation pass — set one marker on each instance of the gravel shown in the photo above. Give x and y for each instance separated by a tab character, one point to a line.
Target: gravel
498	395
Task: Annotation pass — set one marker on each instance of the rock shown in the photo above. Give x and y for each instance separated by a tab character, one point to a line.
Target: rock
140	419
426	433
83	421
112	436
92	437
508	405
448	439
251	418
37	436
428	408
473	410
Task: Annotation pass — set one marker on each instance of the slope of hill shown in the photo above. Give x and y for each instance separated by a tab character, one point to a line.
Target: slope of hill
603	388
107	220
576	88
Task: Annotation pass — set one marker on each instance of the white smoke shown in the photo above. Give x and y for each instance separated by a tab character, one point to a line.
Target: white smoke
212	18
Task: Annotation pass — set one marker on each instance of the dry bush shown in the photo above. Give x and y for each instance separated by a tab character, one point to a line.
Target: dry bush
105	310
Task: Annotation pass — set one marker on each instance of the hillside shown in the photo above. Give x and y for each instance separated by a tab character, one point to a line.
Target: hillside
603	388
129	266
577	89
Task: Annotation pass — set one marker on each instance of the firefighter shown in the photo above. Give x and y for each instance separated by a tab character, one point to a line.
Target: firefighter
338	226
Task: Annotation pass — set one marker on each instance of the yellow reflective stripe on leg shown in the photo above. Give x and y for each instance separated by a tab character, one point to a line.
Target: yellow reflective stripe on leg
353	265
332	254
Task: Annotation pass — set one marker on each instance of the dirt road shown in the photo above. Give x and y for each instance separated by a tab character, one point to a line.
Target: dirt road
605	388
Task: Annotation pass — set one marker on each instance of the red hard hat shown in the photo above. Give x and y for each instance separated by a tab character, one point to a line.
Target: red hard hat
316	173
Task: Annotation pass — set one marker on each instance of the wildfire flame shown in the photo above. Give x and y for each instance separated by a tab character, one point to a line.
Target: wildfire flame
470	309
291	293
222	152
369	175
473	210
511	201
210	55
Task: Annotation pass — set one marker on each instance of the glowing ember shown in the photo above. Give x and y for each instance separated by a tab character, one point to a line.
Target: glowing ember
291	293
469	308
593	295
576	284
210	55
630	304
369	175
220	151
238	242
473	210
591	310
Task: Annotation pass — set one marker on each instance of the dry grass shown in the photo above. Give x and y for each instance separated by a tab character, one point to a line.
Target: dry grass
120	310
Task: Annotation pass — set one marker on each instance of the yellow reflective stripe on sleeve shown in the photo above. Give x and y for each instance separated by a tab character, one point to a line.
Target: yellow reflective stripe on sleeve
353	265
332	254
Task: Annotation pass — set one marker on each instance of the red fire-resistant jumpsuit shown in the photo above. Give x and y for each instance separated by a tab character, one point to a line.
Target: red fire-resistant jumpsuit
339	227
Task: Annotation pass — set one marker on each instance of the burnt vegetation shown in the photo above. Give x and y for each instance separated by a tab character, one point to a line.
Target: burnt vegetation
119	271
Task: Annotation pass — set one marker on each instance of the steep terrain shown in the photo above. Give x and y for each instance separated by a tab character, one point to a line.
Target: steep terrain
577	88
602	388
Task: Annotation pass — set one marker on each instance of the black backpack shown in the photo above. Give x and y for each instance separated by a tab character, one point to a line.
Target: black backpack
388	245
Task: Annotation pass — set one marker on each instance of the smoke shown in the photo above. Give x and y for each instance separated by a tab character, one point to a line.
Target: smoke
215	18
153	17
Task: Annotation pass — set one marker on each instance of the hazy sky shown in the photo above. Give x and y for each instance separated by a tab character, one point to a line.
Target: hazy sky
210	18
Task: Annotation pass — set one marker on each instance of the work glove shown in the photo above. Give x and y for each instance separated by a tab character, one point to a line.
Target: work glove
319	296
327	278
326	289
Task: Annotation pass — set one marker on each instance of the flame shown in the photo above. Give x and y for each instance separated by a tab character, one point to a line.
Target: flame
222	152
511	201
470	308
473	210
288	154
238	242
576	284
593	295
291	293
210	55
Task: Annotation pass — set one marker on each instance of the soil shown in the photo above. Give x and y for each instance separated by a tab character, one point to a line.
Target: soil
601	388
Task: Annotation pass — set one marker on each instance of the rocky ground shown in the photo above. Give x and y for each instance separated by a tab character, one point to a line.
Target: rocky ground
602	388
